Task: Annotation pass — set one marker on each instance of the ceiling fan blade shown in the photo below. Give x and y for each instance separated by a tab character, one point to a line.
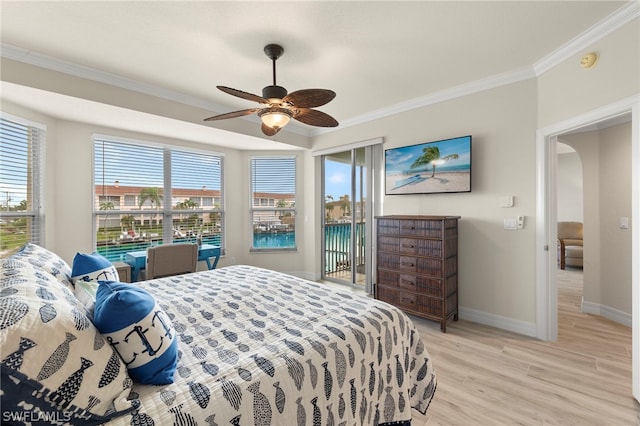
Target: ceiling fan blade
313	117
243	95
233	114
269	131
310	98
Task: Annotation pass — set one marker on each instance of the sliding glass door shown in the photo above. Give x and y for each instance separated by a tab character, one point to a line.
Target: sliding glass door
347	216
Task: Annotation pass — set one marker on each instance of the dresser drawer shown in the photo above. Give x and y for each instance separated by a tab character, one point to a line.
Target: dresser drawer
388	227
408	246
420	247
408	301
430	287
421	285
388	278
408	264
407	282
421	228
430	306
388	244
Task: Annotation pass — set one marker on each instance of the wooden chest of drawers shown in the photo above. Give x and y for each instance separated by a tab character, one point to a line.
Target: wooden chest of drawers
417	265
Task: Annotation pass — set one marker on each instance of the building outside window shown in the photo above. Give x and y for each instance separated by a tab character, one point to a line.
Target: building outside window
148	194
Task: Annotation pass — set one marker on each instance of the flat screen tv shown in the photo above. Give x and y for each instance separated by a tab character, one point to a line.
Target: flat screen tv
429	167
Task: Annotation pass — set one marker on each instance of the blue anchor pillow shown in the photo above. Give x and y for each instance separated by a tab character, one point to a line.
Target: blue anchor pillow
87	270
138	330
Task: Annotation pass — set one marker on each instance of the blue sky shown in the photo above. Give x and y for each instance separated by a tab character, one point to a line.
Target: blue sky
400	159
338	180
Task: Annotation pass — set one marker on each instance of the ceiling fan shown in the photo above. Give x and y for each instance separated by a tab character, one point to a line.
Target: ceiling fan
278	106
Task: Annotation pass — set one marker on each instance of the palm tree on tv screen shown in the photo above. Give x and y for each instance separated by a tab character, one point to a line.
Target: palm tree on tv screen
431	156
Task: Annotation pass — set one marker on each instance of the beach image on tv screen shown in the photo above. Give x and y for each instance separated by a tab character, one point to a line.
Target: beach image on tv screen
431	167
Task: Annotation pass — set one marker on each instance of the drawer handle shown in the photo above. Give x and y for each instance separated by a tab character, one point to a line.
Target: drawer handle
407	264
406	281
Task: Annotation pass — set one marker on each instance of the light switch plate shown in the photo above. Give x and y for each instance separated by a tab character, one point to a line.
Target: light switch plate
624	223
506	201
510	224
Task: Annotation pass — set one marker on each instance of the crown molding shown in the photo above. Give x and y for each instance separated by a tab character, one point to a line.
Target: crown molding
616	20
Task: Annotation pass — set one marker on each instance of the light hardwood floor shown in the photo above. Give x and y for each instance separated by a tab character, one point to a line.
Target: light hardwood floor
487	376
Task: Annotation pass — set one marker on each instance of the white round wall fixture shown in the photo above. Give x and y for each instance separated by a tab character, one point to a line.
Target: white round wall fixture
589	60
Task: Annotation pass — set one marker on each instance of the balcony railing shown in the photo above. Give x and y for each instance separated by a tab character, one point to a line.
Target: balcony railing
337	237
115	251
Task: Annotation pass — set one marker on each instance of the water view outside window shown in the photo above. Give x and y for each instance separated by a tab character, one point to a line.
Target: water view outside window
149	195
273	192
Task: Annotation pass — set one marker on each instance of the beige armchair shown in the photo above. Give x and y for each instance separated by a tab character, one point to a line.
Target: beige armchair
570	238
171	259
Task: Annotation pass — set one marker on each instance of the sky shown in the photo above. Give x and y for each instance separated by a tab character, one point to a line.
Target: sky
338	179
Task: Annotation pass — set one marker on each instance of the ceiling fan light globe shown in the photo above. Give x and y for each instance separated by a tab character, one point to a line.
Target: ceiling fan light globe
275	120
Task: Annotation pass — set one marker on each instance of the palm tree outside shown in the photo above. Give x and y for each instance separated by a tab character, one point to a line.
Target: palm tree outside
105	206
431	156
153	195
128	221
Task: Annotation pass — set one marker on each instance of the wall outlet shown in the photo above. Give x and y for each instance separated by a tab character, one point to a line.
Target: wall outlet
520	222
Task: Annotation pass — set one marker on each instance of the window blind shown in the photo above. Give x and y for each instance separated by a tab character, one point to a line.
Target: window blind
148	194
273	200
21	184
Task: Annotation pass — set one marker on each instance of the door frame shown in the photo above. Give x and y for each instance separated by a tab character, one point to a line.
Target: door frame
546	232
373	201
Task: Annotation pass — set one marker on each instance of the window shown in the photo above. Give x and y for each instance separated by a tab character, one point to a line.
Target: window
149	194
273	192
21	183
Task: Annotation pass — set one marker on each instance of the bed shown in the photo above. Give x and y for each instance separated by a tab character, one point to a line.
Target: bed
254	346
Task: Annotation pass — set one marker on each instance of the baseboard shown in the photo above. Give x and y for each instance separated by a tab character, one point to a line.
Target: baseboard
504	323
614	315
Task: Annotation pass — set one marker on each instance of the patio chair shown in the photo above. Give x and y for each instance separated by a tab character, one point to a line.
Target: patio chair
171	259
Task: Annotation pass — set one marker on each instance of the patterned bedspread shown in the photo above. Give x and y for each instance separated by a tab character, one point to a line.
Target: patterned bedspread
265	348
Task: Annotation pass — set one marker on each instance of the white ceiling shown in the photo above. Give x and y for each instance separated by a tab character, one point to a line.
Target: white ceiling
379	57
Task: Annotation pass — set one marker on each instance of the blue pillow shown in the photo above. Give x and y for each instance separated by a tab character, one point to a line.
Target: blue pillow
87	270
139	330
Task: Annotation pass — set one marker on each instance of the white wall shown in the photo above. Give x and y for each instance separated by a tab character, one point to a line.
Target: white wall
615	202
607	173
570	200
496	267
